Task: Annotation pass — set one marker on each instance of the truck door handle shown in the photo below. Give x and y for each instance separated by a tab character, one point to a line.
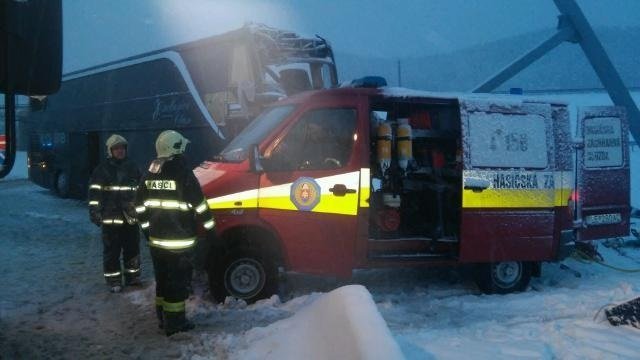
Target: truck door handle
341	190
476	184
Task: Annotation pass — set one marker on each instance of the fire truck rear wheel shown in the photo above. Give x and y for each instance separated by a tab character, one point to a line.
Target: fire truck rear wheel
244	274
503	277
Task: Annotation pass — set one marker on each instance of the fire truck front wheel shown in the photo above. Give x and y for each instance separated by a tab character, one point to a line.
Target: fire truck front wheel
243	274
503	277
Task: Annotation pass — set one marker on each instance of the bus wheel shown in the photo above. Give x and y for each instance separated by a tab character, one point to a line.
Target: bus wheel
503	277
62	184
243	274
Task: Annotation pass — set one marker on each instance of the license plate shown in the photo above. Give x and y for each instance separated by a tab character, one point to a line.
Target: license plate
603	219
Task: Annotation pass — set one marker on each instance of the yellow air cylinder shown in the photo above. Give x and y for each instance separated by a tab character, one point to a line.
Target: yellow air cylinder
405	153
383	146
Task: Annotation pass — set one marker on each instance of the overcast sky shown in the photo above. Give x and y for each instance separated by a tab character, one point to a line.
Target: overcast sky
96	31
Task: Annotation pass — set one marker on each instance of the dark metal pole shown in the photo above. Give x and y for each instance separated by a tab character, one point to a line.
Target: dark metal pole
9	108
601	63
563	34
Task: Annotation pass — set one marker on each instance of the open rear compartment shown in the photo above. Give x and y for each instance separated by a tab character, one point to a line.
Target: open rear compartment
416	173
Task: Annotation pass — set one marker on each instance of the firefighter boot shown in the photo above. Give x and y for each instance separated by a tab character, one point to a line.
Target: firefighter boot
159	315
175	322
114	284
133	280
132	272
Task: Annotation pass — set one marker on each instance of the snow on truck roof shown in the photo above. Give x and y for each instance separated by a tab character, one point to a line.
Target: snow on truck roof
399	92
466	97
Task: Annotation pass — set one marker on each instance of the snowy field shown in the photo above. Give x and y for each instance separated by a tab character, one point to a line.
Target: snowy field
54	304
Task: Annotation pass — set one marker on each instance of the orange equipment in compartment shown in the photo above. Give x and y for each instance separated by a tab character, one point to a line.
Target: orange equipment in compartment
383	146
405	153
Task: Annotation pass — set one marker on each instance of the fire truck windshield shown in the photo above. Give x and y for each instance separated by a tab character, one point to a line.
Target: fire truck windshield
237	150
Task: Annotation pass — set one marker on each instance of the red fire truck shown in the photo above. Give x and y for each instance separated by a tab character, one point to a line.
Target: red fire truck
330	181
3	147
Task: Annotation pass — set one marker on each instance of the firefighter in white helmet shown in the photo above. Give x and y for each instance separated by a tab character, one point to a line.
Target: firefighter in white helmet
112	189
171	208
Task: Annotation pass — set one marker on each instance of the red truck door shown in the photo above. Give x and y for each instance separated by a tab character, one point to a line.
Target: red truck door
602	196
3	145
509	181
310	187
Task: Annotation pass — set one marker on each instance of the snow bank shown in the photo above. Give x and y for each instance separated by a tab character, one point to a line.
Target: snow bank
19	170
342	324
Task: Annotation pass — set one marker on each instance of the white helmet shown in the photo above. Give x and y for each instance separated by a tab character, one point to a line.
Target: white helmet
170	143
115	140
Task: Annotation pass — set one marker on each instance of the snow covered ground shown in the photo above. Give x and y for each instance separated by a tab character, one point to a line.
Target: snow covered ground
53	304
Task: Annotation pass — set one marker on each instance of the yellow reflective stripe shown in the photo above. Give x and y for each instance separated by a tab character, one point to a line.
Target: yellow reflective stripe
120	188
365	180
279	196
113	221
144	225
564	182
209	224
167	204
172	244
159	300
170	204
241	200
95	186
140	209
152	203
329	203
94	203
518	189
112	274
202	207
173	307
509	198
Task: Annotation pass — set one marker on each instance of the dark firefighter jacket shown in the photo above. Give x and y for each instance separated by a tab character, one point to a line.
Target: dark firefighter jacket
112	191
170	205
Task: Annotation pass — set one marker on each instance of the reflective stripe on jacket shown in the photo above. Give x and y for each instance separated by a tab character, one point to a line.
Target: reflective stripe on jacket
170	205
112	189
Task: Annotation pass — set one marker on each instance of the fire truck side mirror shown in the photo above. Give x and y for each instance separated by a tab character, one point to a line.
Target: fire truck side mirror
255	163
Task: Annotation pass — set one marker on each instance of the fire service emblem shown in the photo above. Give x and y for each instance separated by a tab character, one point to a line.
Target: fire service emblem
305	193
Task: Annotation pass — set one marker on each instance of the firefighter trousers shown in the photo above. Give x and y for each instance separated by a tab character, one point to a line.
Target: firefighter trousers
121	239
172	271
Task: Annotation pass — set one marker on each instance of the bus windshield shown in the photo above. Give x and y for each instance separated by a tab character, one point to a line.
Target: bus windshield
295	77
254	133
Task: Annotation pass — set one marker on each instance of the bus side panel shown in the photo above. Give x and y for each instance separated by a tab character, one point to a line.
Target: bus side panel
137	102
